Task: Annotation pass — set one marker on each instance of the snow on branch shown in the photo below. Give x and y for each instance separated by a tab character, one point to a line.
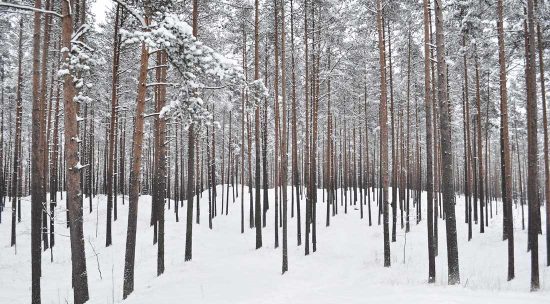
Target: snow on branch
198	67
149	115
137	15
155	84
29	8
79	166
78	63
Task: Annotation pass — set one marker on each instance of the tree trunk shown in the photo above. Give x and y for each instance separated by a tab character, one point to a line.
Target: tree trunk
545	144
446	151
429	136
74	199
383	131
506	163
159	179
479	156
112	127
37	160
532	154
257	207
15	179
135	181
284	151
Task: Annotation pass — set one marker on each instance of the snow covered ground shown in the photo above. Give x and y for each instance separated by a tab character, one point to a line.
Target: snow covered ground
347	267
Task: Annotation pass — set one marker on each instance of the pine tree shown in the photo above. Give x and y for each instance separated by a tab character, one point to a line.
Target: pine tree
446	150
383	131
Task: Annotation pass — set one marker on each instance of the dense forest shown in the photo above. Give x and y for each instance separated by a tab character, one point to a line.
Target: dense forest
130	121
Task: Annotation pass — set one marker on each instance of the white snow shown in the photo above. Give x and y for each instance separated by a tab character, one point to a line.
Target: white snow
347	267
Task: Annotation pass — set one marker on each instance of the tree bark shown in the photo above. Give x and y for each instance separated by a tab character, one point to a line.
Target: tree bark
284	150
506	163
135	172
37	160
446	151
383	131
257	207
429	136
532	154
112	127
74	199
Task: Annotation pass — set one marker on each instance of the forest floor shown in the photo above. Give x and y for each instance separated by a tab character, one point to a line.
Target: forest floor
346	268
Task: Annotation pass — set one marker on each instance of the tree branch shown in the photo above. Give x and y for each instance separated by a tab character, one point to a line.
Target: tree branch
132	12
29	8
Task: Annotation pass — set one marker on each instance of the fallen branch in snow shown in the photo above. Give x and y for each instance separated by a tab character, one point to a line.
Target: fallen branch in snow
97	258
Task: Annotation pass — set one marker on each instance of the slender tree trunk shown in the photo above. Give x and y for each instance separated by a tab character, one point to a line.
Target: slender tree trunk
276	162
284	151
545	144
307	141
429	136
37	160
446	151
393	143
506	163
257	207
112	127
74	199
408	175
532	154
43	103
383	131
159	196
295	171
16	178
479	155
135	172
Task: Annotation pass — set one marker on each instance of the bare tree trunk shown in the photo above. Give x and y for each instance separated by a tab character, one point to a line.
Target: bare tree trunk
43	103
408	175
467	146
15	179
276	162
74	200
383	131
112	127
191	187
257	207
265	178
506	163
446	151
37	160
532	154
295	171
284	150
306	158
545	144
393	143
159	179
479	156
315	110
429	136
135	172
54	172
242	136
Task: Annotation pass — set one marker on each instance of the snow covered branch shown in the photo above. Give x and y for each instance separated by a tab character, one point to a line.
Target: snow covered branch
138	16
29	8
